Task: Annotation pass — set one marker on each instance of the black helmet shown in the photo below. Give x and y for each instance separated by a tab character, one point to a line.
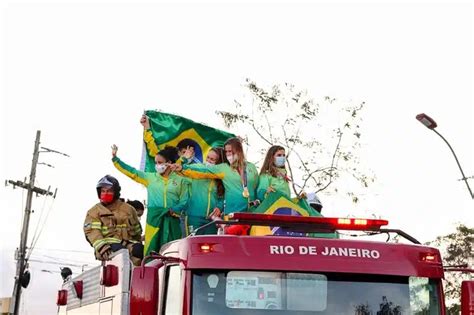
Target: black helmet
109	181
65	272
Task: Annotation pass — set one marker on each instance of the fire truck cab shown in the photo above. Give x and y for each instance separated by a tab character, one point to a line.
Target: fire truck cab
260	275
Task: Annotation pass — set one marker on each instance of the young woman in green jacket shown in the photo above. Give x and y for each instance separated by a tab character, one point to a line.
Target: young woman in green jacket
240	177
206	198
167	192
273	176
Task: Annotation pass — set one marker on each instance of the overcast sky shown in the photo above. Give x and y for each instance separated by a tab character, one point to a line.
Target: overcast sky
83	73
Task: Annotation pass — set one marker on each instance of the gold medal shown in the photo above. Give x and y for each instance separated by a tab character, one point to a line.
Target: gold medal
245	193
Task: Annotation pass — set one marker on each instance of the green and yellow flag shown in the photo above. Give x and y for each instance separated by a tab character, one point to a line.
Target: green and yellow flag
276	203
169	130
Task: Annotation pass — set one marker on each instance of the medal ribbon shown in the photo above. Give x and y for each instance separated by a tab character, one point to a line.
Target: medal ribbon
245	193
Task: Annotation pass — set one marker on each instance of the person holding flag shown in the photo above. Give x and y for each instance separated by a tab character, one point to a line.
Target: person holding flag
168	194
273	176
240	177
197	144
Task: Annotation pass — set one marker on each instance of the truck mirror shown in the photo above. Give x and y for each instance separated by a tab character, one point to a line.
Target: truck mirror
144	290
467	298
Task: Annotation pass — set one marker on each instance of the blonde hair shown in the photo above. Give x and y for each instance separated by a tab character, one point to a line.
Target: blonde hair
237	148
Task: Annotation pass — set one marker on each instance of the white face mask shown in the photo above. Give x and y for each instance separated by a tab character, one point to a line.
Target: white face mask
209	163
161	168
231	158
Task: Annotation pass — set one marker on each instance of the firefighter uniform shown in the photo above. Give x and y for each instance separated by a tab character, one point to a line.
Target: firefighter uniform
115	223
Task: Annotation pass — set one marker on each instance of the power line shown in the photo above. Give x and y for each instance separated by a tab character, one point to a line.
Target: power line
37	226
34	242
21	252
63	250
61	259
56	263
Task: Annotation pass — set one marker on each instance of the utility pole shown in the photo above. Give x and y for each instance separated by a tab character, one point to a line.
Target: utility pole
21	252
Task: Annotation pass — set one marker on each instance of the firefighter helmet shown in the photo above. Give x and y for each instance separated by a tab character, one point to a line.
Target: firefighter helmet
109	181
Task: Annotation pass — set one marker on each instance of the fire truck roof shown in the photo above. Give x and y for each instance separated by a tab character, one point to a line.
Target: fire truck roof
305	254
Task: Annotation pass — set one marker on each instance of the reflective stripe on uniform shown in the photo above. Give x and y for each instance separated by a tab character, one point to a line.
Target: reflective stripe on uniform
96	225
98	244
108	240
138	228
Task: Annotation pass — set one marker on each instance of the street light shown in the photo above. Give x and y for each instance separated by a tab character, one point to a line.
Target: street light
429	123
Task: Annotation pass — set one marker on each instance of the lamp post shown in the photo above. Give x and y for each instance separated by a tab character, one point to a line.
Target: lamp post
431	124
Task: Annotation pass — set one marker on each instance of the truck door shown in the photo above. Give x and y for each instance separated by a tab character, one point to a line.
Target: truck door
173	291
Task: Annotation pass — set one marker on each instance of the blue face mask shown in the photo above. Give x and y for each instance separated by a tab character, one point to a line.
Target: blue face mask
280	161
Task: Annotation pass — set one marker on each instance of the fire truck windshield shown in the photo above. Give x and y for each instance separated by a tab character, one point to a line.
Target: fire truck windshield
264	292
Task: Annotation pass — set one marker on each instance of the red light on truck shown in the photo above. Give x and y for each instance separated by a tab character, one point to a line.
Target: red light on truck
62	298
321	223
430	257
109	276
343	221
205	248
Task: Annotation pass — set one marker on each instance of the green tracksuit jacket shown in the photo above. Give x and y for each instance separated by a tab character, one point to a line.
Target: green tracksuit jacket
164	194
234	200
277	182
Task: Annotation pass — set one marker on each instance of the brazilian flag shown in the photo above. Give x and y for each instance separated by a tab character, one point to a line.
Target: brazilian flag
276	203
169	130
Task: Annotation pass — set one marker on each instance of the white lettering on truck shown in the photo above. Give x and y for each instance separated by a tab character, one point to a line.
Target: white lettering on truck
327	251
281	250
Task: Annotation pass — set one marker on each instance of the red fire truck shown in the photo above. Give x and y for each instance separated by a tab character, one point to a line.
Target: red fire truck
260	275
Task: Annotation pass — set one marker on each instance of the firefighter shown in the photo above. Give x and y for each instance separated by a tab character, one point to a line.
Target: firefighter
112	224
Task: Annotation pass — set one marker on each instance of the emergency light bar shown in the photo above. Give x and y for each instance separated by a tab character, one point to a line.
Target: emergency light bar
310	224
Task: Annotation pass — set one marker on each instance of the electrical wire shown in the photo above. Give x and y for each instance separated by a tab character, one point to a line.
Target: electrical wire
62	250
37	226
22	207
64	259
55	263
42	227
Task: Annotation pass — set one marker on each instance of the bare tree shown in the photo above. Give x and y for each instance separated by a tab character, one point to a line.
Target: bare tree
322	138
457	249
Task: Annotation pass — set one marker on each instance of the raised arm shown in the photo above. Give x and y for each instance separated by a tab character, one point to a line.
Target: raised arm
200	171
133	173
148	136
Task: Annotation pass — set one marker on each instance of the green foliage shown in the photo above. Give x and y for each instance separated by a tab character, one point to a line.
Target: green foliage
457	249
321	137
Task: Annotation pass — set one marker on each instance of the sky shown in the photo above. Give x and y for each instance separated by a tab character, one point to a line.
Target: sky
83	72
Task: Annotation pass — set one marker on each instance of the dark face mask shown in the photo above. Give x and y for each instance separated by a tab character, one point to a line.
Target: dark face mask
106	197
